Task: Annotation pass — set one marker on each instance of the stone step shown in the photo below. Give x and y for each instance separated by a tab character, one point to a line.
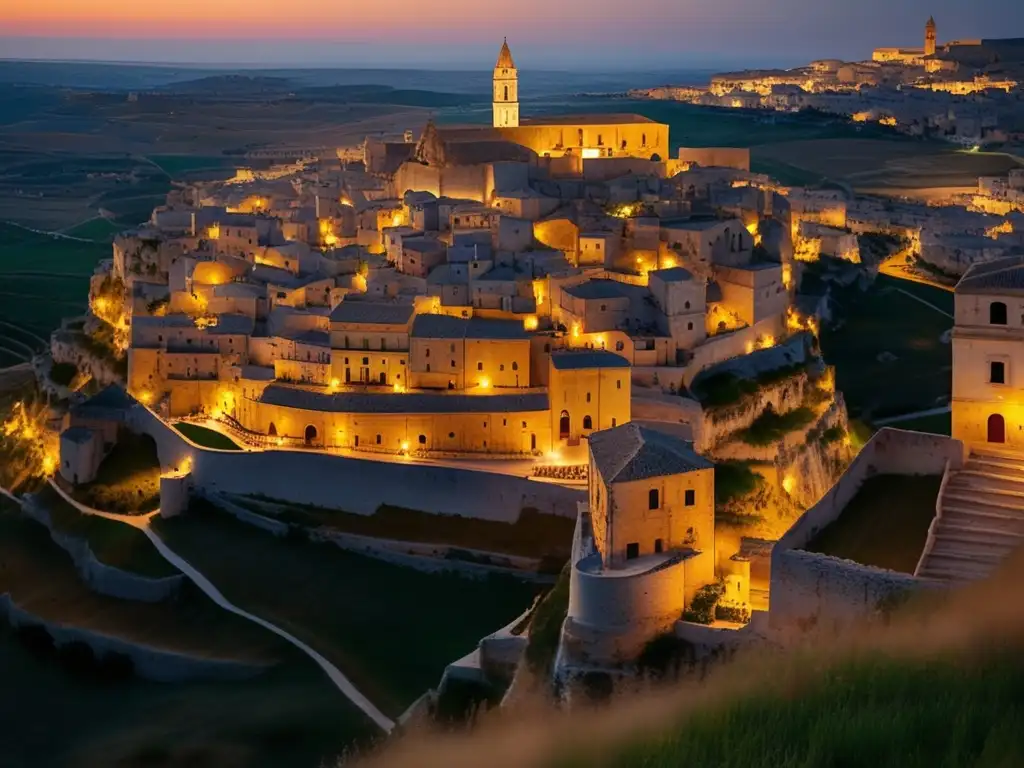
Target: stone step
988	551
982	480
1005	455
985	502
967	530
962	522
957	566
941	573
986	464
973	516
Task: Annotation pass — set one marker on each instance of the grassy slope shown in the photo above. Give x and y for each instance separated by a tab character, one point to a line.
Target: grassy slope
886	523
912	714
391	629
884	319
41	578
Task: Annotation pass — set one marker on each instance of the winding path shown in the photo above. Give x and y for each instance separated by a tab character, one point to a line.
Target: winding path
142	522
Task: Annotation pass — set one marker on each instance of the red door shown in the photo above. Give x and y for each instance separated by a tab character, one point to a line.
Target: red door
996	429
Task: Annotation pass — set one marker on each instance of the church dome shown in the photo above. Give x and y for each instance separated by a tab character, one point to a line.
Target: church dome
505	57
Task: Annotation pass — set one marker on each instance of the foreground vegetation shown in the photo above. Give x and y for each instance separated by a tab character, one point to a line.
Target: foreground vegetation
870	712
128	481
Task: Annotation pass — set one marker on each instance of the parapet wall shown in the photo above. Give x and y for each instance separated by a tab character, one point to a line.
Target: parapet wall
814	590
356	485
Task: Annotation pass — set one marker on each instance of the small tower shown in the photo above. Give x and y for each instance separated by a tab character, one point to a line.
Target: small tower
506	90
929	37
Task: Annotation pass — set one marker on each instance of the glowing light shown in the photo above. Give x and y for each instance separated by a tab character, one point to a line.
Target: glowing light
335	383
485	382
279	442
890	121
213	232
554	457
576	330
590	153
101	304
398	387
216	413
405	446
789	484
787	276
396	220
49	464
145	397
530	323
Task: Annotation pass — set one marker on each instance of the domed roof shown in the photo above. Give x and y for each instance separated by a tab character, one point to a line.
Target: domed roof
505	57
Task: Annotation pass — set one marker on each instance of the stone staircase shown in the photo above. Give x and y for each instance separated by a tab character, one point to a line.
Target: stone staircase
982	518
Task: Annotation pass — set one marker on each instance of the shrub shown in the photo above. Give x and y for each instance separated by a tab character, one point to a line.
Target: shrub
732	613
771	427
832	435
546	627
734	480
702	607
664	656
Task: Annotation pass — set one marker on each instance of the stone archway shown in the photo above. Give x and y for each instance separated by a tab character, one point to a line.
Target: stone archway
310	435
563	426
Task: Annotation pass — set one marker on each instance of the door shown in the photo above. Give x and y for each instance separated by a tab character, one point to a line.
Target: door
563	426
996	428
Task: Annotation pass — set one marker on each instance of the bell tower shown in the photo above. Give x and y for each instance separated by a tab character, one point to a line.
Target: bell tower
929	37
506	90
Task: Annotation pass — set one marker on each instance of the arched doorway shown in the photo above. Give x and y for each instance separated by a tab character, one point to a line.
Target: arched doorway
310	434
563	426
996	428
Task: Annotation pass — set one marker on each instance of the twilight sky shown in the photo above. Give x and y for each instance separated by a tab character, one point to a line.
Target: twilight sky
573	34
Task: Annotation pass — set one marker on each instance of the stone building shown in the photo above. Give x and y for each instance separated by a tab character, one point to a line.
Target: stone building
988	356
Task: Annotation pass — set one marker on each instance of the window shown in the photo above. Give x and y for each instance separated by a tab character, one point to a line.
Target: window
547	347
687	305
428	353
452	348
504	422
618	383
689	498
451	435
501	367
613	422
689	326
366	361
524	425
588	423
588	397
604	307
657	546
997	373
378	439
515	366
619	346
632	551
652	499
479	366
423	439
506	93
453	363
997	313
428	367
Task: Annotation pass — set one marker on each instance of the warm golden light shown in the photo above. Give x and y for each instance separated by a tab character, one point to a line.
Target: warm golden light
530	323
335	383
405	446
789	484
485	382
397	387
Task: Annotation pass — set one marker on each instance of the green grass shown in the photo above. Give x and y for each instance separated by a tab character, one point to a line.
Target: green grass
128	480
532	535
885	320
886	523
391	629
734	480
770	427
871	712
113	543
99	229
207	438
938	424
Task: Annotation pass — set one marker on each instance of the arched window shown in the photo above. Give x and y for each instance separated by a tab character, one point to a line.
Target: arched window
272	430
643	139
588	423
506	93
652	499
423	439
563	426
687	305
378	440
997	313
515	366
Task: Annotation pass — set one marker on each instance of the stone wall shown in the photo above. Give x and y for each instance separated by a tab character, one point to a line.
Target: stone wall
149	663
813	590
64	348
101	578
783	396
356	485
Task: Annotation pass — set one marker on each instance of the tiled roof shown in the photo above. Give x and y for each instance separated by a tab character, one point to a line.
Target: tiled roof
672	275
573	360
412	402
598	289
447	327
1002	275
372	312
632	452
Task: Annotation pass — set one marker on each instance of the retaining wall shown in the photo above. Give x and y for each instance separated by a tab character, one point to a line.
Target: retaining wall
150	663
356	485
101	578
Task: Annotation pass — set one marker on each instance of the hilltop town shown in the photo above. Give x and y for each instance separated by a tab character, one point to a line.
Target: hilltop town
965	91
571	321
